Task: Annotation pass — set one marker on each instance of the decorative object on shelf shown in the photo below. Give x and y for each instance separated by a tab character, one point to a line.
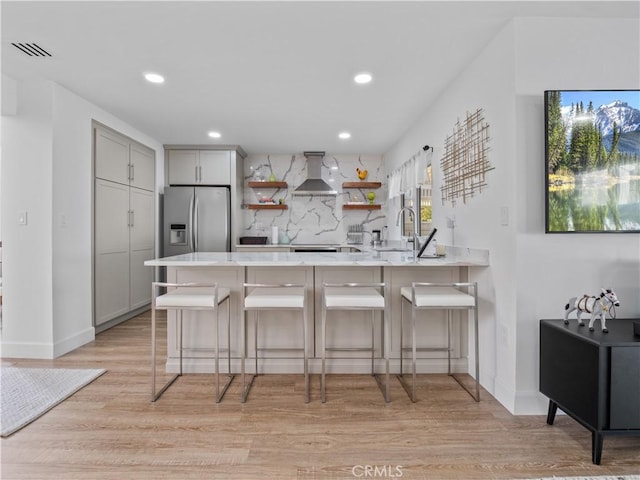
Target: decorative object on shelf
362	174
371	196
465	163
354	199
596	306
272	178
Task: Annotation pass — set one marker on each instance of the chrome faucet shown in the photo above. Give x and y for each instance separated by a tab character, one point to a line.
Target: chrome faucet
416	242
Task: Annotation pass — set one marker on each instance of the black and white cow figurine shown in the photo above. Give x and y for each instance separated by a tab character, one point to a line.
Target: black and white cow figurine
596	306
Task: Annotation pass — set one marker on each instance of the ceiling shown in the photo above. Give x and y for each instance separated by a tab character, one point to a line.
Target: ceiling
272	77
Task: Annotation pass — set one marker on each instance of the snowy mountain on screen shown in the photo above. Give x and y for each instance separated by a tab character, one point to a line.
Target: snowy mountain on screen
619	112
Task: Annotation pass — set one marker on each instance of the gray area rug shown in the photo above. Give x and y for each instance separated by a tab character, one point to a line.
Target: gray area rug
27	393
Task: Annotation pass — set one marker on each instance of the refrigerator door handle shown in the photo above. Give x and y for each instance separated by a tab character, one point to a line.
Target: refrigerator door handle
195	223
190	225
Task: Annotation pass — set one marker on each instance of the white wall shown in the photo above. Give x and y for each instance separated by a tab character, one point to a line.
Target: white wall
572	54
27	163
531	274
47	170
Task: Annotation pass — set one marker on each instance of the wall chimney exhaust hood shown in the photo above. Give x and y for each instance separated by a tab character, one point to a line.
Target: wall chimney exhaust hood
314	185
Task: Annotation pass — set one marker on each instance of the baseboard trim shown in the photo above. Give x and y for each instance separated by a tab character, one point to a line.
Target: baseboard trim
531	403
74	341
122	318
27	350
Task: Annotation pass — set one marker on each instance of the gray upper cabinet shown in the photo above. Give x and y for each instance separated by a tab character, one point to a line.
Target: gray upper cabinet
121	160
199	167
143	167
112	156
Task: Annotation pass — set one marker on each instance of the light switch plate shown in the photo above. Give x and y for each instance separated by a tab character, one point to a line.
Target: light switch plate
504	216
22	218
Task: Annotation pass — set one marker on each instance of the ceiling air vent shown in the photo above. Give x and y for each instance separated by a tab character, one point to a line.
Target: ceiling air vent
32	49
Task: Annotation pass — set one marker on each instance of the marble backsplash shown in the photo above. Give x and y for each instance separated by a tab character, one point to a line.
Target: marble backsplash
313	219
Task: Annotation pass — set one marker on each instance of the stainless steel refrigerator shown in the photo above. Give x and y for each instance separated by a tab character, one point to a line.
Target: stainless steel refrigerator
196	219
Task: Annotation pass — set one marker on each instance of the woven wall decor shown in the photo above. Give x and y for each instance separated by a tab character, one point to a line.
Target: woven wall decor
465	163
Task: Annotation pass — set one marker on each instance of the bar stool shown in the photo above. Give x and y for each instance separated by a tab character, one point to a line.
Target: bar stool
189	296
440	296
356	296
273	297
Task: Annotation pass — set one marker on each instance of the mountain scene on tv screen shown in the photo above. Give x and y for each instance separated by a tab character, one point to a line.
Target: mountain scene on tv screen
593	161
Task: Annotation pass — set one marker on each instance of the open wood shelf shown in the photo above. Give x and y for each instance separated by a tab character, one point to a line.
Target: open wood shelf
266	206
364	206
267	184
361	184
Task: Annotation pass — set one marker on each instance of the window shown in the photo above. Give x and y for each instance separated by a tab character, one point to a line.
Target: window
421	196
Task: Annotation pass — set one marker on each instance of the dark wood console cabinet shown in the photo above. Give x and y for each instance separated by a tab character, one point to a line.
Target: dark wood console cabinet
593	377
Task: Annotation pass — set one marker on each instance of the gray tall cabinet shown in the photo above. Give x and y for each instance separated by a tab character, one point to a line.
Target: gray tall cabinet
124	225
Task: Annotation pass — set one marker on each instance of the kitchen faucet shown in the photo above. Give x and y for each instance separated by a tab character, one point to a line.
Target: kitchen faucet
416	242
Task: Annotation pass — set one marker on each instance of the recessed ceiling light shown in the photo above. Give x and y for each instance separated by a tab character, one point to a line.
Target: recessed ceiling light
154	77
344	135
214	134
363	78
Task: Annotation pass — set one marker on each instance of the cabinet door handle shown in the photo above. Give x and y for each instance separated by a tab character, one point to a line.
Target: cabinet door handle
200	171
196	167
132	218
133	172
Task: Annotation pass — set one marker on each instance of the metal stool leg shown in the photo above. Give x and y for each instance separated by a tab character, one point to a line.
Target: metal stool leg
323	345
373	341
307	387
384	385
410	389
449	342
230	377
155	395
245	386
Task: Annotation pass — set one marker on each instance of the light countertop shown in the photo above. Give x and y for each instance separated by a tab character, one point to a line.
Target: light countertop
455	256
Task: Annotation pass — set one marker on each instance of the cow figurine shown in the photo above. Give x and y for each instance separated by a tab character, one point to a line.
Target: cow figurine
596	306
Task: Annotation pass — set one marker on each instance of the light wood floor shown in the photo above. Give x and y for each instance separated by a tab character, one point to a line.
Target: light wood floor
110	430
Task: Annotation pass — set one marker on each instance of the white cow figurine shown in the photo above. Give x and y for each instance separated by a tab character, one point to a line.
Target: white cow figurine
596	306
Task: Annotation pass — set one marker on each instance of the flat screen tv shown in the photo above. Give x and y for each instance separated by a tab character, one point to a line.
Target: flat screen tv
592	161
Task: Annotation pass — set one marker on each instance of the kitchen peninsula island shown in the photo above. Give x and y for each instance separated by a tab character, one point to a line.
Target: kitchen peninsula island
353	329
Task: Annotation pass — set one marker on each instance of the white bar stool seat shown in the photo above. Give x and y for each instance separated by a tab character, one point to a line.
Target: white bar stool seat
438	296
190	296
355	296
273	297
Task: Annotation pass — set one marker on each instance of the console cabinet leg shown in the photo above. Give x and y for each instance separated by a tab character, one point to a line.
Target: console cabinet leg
596	447
551	413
